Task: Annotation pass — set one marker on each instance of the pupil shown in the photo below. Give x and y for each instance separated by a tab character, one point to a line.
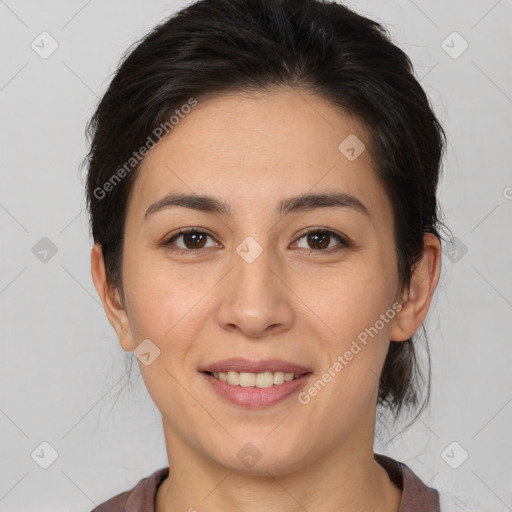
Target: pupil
324	242
194	238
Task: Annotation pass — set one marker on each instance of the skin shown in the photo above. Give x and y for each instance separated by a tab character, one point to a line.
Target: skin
252	151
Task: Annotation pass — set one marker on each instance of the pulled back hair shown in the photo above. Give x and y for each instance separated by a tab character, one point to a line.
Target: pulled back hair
215	46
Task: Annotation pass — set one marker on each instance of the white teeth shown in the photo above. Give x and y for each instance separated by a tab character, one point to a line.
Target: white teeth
258	380
278	378
233	378
247	380
264	380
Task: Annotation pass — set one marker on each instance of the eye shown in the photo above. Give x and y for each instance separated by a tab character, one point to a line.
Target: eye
319	240
193	239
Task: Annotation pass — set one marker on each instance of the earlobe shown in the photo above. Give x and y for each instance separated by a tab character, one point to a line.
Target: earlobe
111	300
417	298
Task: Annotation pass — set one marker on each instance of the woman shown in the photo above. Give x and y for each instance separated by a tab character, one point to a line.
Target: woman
262	190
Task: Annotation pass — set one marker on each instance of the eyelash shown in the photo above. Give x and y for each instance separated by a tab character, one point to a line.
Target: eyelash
344	243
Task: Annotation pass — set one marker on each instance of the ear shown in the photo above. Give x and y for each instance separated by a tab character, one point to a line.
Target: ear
416	301
111	300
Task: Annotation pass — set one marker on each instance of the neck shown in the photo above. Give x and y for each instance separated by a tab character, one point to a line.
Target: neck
344	479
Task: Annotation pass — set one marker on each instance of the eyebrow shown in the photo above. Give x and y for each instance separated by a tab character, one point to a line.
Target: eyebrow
306	202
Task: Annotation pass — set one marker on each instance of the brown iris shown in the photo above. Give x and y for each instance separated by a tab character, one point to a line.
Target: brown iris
318	238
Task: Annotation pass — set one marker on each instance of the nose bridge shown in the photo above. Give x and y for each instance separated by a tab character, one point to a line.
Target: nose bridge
252	267
254	299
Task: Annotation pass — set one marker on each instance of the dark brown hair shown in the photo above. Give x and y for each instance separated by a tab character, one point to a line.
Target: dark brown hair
215	46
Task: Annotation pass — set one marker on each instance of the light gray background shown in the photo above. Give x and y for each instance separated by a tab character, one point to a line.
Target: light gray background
62	371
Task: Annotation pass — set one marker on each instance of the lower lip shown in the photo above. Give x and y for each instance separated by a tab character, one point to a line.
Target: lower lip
253	396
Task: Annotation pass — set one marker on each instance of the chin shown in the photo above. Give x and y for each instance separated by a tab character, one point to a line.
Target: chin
259	455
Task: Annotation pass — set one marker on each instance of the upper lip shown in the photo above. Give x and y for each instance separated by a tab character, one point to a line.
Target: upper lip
240	364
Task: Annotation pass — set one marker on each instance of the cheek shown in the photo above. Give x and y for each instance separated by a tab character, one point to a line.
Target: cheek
162	298
350	298
169	305
355	309
170	308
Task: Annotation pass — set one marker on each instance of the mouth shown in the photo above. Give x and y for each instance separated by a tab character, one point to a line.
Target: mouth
251	383
255	380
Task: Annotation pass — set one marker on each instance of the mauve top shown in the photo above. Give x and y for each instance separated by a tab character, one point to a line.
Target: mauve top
416	496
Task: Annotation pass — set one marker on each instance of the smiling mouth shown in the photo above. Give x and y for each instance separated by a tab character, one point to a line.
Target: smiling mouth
255	380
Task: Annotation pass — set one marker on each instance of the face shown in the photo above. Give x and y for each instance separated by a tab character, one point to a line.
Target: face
311	285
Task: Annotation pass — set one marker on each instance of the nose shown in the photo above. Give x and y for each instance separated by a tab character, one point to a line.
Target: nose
255	299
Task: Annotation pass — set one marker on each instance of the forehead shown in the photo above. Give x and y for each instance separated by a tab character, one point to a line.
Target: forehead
254	148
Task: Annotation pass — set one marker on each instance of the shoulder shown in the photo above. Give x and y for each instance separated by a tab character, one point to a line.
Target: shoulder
140	498
416	496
